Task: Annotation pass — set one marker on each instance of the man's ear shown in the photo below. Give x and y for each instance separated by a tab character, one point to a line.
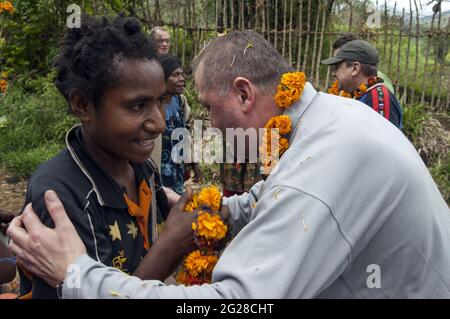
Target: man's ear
356	68
246	93
80	106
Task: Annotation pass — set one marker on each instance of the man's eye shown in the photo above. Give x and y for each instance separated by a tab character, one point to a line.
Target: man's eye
138	106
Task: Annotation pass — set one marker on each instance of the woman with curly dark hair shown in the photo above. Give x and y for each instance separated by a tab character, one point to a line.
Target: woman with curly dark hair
109	73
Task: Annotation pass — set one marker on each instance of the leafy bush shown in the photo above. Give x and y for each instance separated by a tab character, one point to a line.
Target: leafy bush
34	122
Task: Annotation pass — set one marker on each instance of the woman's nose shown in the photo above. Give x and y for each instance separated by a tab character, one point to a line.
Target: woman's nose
155	122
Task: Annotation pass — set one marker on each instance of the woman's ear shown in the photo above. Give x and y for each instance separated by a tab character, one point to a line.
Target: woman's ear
80	106
245	92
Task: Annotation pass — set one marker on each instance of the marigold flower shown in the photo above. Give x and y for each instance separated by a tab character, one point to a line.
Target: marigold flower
284	145
196	263
293	79
210	227
334	89
283	99
3	85
282	123
187	280
6	6
192	204
362	88
345	94
290	89
210	196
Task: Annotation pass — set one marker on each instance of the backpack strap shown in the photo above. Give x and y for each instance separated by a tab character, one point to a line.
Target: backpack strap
380	100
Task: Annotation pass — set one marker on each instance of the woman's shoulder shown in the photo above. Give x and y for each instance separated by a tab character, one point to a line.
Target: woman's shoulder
59	172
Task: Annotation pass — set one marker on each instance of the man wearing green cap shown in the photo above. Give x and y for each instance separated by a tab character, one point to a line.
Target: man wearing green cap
355	67
346	38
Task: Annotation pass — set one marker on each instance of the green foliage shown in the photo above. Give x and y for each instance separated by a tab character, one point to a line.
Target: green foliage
34	122
441	175
24	161
198	112
413	117
32	34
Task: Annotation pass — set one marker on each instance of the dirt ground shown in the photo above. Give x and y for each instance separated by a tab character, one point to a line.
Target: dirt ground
12	192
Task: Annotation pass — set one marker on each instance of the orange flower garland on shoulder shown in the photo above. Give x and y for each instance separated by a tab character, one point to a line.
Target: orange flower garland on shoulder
209	229
289	91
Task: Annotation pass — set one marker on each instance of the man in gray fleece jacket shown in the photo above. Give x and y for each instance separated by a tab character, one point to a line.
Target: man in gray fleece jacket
350	211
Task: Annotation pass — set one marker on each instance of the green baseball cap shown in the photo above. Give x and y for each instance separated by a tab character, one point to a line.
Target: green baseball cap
356	50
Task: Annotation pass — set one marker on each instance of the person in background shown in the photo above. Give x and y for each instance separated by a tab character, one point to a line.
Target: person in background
7	260
355	67
162	39
238	178
176	114
350	37
7	264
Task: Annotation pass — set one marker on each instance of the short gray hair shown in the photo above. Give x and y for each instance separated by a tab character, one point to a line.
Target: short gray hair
156	29
241	53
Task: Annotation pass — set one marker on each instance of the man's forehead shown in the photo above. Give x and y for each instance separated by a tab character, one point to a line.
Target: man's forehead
162	34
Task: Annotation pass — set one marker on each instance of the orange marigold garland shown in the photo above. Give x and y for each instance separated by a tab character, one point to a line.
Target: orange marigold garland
6	6
209	229
290	89
356	94
278	128
334	88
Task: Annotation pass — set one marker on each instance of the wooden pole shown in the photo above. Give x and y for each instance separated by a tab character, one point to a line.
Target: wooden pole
408	52
327	79
291	9
300	34
284	27
313	58
436	62
385	29
275	28
216	14
391	45
319	55
416	64
397	87
308	28
225	14
447	103
242	15
267	15
427	55
350	19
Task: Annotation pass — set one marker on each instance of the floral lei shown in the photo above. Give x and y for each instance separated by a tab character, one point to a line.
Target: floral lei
356	94
208	229
288	92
